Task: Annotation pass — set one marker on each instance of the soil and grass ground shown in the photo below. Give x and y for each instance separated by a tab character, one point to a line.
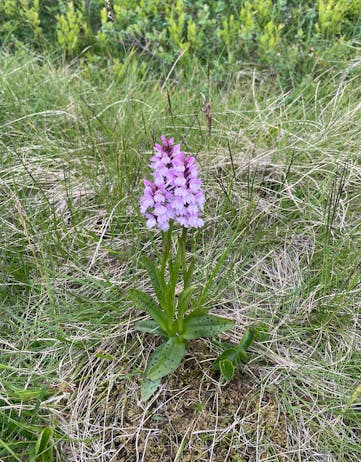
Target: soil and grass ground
282	174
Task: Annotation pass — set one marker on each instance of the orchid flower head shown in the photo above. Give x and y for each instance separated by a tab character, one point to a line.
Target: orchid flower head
176	190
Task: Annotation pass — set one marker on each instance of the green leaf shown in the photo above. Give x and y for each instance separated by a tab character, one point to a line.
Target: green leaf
184	299
148	304
255	332
170	356
261	332
149	387
247	338
242	355
197	312
150	326
227	369
155	276
174	269
43	447
206	325
231	354
188	274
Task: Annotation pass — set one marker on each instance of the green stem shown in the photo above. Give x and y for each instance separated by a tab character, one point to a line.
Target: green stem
183	264
166	258
167	241
182	250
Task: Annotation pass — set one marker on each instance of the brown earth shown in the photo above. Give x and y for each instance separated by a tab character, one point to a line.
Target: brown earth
211	421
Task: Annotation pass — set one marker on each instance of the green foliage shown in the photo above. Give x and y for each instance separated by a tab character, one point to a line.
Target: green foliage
333	14
24	430
149	387
227	369
169	315
22	16
156	278
169	359
269	40
235	355
277	34
184	299
43	451
150	306
151	327
176	23
205	325
30	10
69	28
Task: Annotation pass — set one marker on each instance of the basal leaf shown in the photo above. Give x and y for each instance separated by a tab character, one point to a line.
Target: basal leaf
150	326
206	325
170	356
227	369
149	387
197	312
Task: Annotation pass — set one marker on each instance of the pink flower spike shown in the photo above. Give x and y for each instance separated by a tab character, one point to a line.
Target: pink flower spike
176	193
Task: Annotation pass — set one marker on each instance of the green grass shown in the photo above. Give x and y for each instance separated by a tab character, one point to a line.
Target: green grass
281	168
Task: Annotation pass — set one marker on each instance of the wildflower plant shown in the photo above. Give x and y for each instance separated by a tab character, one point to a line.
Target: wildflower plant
173	203
233	356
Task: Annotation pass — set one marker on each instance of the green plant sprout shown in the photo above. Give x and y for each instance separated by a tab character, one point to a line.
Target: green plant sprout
234	356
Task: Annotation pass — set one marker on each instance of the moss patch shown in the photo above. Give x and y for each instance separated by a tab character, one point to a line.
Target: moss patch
194	416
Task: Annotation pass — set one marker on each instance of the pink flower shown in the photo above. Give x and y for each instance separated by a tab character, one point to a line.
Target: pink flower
176	192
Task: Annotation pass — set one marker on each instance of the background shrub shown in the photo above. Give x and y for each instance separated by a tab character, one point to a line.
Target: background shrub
278	34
